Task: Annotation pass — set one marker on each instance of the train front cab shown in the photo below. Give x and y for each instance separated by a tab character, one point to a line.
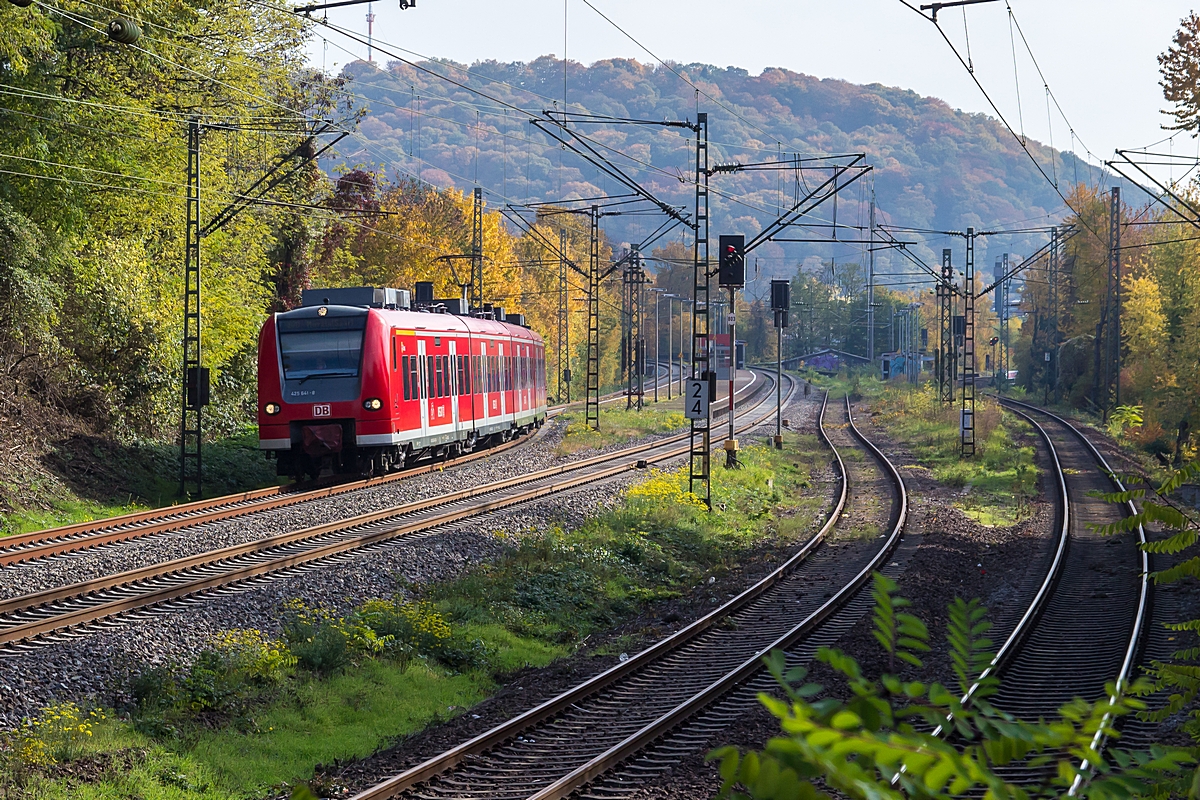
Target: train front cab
319	369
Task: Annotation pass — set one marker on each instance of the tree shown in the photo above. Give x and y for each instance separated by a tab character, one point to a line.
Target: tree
1180	70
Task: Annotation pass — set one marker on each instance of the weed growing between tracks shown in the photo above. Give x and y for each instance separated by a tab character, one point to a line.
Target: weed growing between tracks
999	485
618	425
255	713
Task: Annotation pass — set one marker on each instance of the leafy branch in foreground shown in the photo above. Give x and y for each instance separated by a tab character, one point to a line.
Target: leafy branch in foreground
879	743
1179	678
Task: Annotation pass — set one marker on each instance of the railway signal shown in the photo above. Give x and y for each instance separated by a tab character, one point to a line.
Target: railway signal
781	301
731	275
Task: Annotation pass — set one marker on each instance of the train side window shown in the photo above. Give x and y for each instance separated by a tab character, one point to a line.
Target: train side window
404	376
439	377
445	375
393	354
429	387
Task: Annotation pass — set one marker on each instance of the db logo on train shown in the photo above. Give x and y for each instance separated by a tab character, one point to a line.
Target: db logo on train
322	411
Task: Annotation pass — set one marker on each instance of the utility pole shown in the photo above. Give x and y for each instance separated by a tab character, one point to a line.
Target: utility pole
968	387
871	284
195	380
633	347
670	342
564	322
945	293
370	33
658	293
591	411
476	300
639	340
700	435
1114	290
1052	291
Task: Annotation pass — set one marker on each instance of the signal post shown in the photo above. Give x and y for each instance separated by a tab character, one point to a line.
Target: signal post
731	274
781	301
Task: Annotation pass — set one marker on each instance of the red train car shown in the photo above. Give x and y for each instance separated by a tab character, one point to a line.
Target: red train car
359	385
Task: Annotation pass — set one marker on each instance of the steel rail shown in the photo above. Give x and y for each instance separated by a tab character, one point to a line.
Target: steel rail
1130	656
96	533
1034	609
567	784
31	605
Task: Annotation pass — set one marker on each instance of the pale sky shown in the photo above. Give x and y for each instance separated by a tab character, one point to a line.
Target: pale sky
1098	57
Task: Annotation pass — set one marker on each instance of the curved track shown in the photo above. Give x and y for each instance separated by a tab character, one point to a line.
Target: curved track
562	745
1029	656
1085	627
78	606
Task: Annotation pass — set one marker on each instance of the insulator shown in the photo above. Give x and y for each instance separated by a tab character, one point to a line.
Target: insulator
124	31
21	3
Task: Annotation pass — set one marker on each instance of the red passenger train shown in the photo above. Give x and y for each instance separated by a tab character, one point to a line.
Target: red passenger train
354	382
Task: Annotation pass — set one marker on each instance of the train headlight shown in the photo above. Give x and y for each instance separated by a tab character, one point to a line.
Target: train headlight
272	409
373	404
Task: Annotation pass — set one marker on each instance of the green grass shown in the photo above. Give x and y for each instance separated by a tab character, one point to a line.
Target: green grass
140	476
64	510
618	425
315	721
1000	482
566	585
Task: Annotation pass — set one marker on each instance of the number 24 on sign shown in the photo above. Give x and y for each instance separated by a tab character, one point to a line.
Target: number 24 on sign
696	400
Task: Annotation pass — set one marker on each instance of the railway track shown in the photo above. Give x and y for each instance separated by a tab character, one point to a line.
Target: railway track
22	548
1086	626
555	749
1060	645
77	608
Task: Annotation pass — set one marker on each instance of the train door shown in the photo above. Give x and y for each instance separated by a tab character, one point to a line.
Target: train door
481	404
503	386
423	379
453	373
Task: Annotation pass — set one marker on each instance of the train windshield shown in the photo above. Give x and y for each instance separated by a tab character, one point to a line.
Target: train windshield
321	347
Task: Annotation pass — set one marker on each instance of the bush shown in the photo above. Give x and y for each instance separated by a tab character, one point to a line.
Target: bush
242	668
323	642
879	743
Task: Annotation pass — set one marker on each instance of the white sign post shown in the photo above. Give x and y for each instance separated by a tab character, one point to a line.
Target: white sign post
695	405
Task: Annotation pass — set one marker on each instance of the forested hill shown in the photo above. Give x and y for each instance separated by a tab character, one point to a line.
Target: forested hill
935	167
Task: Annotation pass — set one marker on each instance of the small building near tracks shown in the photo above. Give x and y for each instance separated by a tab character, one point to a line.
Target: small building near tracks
828	361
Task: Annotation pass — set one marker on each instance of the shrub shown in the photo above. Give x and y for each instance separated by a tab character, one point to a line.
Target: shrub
249	652
880	743
56	735
324	642
240	669
663	487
